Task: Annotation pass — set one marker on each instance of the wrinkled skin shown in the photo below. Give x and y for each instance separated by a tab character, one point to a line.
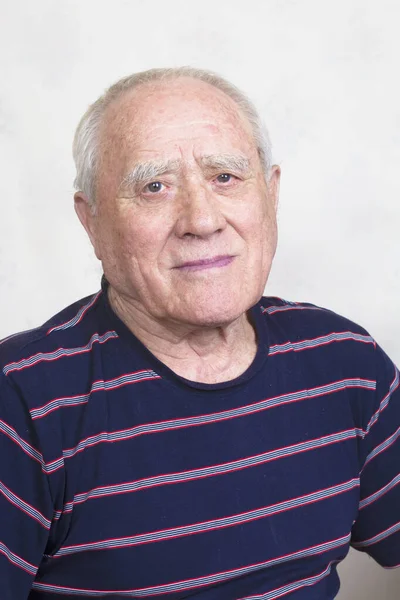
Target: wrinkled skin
145	233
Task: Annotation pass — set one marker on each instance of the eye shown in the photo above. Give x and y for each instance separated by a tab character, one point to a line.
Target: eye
224	178
153	187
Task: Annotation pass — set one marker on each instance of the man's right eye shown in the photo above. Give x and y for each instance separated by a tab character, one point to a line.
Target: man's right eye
153	187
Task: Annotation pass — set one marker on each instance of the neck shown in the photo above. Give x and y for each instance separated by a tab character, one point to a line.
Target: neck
202	354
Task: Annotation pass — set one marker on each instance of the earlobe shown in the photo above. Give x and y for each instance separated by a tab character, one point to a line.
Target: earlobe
87	217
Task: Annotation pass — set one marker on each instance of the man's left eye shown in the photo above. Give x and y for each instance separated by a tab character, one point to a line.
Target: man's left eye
224	178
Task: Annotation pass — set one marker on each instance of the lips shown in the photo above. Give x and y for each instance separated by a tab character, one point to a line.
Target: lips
207	263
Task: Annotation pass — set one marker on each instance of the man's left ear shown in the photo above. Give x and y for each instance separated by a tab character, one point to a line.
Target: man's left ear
273	184
87	217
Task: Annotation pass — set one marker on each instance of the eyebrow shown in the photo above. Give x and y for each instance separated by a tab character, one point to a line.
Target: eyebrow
150	170
235	162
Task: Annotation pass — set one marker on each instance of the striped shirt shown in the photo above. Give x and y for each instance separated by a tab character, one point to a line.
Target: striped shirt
121	479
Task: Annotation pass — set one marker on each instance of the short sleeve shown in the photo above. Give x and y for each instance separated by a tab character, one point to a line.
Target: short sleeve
25	499
377	528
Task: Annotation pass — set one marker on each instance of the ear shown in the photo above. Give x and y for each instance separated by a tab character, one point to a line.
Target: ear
88	219
273	185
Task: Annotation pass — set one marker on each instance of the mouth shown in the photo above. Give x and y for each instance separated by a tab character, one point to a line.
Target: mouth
206	263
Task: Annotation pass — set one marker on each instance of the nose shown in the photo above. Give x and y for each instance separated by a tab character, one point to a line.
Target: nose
200	213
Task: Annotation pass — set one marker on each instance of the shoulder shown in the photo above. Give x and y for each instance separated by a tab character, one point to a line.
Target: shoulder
328	338
323	349
71	325
304	318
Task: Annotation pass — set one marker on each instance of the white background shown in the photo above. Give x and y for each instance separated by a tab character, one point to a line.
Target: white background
324	76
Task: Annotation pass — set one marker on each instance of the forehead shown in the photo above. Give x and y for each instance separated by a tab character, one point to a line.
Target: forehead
168	117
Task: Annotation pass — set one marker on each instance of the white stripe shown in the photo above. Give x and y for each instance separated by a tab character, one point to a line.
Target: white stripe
17	560
379	537
219	469
383	446
213	524
24	506
77	317
316	342
50	356
96	387
271	310
381	492
216	417
385	401
201	581
291	587
27	448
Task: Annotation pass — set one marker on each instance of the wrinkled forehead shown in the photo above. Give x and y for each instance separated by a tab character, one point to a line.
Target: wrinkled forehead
163	110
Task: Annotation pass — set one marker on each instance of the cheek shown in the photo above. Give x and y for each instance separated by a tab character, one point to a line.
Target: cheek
263	239
112	239
259	225
269	235
133	241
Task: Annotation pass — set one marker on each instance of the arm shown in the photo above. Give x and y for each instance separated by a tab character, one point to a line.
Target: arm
26	506
377	528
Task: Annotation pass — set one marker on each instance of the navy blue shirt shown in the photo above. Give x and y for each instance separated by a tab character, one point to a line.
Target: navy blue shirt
120	479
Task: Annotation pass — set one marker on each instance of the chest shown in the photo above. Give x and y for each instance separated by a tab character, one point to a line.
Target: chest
237	484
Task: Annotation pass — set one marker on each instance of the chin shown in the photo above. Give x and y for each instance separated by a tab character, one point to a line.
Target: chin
217	311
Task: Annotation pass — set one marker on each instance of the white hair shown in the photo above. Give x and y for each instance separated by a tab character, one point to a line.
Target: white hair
86	140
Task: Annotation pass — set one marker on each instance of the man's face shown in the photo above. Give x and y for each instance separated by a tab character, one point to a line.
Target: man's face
185	224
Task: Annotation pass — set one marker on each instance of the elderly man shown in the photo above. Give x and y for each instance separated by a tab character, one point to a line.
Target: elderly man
177	434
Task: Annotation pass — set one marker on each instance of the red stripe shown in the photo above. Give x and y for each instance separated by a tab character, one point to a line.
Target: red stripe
46	358
324	343
220	574
378	497
95	545
198	477
22	509
92	391
14	562
41	462
86	308
287	307
380	411
392	567
394	440
216	420
282	591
